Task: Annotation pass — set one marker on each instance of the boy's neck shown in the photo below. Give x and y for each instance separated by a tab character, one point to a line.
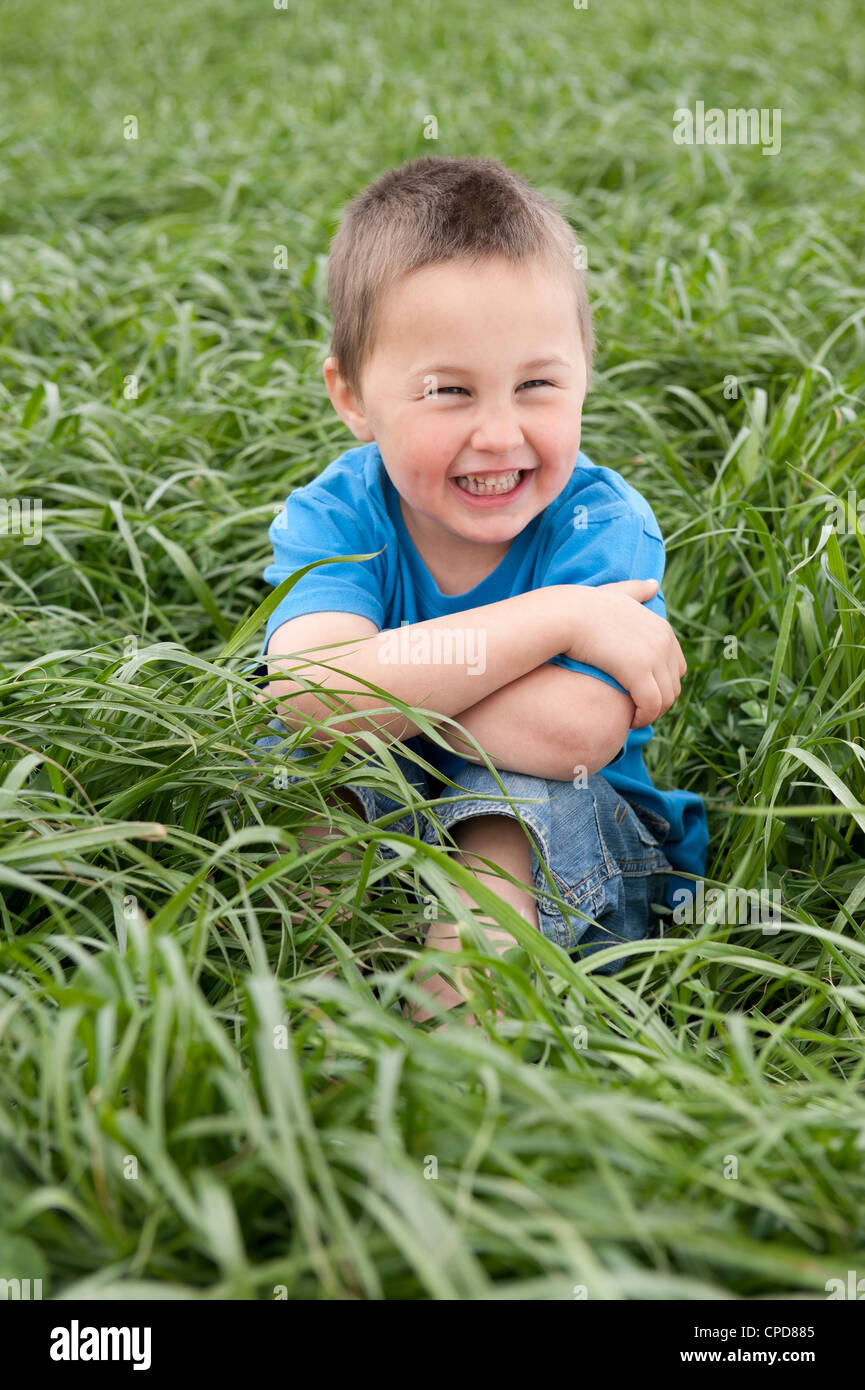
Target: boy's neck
455	564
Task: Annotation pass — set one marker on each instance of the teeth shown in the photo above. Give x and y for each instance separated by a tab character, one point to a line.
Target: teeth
482	484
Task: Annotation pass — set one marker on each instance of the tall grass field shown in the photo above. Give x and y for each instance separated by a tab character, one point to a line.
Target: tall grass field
191	1106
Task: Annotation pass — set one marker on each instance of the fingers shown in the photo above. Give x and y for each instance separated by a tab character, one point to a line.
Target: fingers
671	684
658	689
668	677
668	671
640	589
642	650
676	674
667	689
678	668
648	699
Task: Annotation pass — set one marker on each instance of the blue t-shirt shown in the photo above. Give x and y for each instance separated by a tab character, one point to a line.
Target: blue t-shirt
597	531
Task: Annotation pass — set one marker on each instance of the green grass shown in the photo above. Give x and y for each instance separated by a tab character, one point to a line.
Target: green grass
148	864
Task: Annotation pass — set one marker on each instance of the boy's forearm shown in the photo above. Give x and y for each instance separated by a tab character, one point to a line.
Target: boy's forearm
550	723
445	665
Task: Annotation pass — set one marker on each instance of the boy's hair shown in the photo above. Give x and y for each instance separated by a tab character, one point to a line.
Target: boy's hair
435	209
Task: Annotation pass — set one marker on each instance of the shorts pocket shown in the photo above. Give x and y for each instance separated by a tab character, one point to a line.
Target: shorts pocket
588	897
628	840
651	828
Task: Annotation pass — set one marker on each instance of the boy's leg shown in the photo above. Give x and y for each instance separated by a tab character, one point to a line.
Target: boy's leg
307	840
501	840
273	735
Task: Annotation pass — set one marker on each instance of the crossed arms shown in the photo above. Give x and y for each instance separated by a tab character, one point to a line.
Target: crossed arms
527	715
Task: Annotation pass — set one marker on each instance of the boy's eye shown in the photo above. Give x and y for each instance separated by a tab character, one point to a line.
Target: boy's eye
443	390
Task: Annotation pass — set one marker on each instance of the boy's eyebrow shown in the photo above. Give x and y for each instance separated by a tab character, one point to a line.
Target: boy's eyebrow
537	362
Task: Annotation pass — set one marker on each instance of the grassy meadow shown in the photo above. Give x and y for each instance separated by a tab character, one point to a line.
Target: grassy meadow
190	1108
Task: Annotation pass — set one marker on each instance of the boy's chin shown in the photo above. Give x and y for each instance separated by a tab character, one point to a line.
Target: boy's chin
489	528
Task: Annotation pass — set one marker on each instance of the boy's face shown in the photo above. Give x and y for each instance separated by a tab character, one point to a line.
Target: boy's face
477	370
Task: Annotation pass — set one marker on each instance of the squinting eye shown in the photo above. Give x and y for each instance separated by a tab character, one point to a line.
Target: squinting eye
443	390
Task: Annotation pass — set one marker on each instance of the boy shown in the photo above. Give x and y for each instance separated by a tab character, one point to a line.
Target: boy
517	588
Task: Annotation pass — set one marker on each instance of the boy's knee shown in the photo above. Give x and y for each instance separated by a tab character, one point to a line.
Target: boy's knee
346	800
492	835
483	827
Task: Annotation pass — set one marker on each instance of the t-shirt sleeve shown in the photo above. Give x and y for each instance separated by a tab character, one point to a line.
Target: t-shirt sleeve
310	528
626	545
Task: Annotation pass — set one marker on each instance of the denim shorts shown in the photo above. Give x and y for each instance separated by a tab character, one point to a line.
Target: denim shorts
603	853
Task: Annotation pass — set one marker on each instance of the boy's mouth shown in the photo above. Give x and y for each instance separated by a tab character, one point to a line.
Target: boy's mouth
482	491
490	484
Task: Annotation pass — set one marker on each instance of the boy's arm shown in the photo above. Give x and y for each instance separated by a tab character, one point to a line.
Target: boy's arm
565	715
606	627
549	723
416	663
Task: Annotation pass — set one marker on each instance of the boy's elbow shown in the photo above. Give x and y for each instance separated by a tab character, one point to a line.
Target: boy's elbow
299	708
593	743
611	747
295	706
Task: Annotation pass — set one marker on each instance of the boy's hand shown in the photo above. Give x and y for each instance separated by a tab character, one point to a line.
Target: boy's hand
613	631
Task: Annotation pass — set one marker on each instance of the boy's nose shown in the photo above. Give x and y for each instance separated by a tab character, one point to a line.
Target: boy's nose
498	432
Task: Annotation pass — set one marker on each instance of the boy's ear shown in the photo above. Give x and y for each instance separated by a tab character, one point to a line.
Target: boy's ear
345	402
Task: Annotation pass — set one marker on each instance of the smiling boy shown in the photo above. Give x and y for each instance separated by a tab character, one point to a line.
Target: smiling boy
461	356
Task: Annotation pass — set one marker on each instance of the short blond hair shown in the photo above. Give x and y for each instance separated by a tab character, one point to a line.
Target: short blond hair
434	209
